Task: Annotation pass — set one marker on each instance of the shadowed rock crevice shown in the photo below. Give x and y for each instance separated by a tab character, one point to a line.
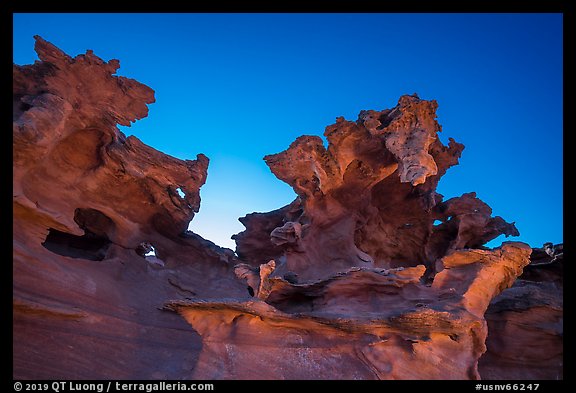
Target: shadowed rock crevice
89	246
93	245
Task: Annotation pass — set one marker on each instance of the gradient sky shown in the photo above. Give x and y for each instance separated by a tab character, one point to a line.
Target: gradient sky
239	86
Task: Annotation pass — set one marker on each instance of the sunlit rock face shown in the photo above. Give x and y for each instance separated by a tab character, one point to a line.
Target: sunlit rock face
367	274
354	279
369	199
361	323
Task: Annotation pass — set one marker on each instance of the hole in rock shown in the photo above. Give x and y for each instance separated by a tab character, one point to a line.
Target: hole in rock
147	251
296	302
180	192
385	119
88	246
437	222
24	106
251	291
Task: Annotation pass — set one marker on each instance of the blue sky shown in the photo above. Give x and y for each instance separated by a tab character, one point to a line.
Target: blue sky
239	86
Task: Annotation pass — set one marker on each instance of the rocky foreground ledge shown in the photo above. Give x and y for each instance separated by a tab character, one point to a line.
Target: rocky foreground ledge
367	274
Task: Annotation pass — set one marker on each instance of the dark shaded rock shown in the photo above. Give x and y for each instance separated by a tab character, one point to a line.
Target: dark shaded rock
525	322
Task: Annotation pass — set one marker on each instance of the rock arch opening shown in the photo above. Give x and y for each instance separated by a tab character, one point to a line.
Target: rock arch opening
93	245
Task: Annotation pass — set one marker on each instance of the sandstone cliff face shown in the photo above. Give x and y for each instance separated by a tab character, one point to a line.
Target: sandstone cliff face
367	274
88	204
525	322
362	323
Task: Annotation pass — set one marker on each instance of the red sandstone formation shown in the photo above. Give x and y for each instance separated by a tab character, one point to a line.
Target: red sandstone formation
352	280
362	323
374	188
87	199
525	322
361	280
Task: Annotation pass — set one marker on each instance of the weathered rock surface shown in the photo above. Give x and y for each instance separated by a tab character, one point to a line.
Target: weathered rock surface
368	274
369	199
363	323
525	322
86	298
354	274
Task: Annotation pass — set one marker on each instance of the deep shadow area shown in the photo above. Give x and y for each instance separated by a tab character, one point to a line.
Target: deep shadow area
88	246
